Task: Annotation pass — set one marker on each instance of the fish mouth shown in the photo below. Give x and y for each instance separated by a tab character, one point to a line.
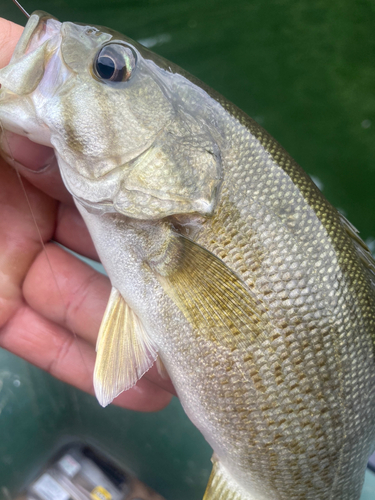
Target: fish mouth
29	64
39	41
40	27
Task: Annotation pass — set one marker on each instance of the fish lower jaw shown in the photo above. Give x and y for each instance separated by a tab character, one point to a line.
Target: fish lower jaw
96	208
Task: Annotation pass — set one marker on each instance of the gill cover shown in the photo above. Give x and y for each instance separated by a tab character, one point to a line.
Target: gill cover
136	143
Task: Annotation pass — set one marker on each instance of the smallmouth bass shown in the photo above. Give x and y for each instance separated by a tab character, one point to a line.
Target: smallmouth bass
225	260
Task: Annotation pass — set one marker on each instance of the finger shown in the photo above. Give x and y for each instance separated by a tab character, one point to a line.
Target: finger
69	358
9	35
67	291
72	232
20	242
36	163
73	295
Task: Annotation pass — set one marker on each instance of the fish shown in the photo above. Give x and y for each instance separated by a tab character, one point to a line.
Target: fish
228	266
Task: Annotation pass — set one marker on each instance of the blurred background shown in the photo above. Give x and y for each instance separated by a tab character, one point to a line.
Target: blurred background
305	71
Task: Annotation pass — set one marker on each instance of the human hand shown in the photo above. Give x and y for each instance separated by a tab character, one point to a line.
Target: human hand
51	303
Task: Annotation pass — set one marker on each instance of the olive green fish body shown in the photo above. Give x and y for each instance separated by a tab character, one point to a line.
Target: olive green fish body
293	405
300	408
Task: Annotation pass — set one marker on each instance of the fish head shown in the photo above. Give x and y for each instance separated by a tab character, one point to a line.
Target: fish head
128	130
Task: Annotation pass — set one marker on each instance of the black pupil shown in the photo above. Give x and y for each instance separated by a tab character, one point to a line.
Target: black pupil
105	66
110	64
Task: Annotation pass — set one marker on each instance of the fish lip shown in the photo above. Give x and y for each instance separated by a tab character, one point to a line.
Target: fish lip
36	24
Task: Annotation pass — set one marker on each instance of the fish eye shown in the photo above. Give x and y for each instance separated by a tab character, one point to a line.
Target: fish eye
114	63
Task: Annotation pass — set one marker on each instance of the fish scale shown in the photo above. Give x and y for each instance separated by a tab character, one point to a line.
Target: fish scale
319	322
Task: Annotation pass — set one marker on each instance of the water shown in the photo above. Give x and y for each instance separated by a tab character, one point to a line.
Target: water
305	71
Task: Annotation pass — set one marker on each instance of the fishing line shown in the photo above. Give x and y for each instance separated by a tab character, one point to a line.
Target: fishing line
34	218
25	192
32	214
21	8
75	335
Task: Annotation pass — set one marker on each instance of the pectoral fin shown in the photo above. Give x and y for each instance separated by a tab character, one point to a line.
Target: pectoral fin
221	486
212	297
124	350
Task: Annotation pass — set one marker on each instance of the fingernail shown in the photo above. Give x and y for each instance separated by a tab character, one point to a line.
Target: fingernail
25	154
